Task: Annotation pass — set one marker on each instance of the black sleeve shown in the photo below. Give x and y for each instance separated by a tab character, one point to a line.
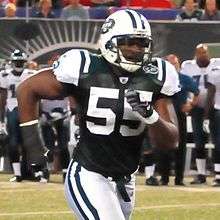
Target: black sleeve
70	89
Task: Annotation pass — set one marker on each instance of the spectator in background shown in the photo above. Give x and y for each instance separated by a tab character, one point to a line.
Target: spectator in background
3	3
198	69
149	3
105	3
45	9
201	4
57	4
22	3
183	105
211	12
75	11
10	10
190	12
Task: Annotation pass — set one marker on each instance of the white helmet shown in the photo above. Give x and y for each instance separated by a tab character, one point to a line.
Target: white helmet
122	25
18	60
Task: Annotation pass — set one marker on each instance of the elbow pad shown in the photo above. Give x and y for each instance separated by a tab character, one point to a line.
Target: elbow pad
32	144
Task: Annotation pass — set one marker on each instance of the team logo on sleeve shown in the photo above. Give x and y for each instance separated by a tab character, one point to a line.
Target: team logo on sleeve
109	24
151	69
56	64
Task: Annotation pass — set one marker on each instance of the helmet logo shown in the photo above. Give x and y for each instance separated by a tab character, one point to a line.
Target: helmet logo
109	24
151	69
56	64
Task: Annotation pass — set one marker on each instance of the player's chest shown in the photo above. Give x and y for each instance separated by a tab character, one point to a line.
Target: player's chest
105	92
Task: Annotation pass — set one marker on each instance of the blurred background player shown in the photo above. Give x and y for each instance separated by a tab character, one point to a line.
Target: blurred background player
148	162
55	130
213	101
183	102
198	69
10	78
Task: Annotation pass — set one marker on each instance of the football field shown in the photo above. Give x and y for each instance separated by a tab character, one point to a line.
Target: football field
35	201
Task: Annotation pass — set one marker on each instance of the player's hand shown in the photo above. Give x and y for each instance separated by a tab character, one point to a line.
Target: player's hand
205	126
144	110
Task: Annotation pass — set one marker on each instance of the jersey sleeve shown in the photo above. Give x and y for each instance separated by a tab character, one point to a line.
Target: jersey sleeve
187	67
70	65
213	77
190	85
3	80
171	84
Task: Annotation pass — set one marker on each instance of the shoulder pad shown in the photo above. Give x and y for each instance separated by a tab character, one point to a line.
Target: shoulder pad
71	64
215	60
187	62
171	84
3	73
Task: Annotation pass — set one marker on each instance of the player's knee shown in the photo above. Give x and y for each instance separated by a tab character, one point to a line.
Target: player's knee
127	209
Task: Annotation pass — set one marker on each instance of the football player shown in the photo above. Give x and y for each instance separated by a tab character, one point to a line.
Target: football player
55	129
120	93
10	78
199	68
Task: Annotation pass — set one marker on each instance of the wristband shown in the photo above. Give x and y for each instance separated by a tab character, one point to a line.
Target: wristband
32	143
149	120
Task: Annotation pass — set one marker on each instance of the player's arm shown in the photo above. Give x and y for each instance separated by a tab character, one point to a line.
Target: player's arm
211	90
42	85
161	128
164	132
158	117
3	98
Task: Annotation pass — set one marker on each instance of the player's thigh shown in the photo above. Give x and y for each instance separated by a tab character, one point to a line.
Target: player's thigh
91	195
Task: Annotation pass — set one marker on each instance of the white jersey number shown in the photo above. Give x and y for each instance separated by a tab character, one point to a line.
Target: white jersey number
106	117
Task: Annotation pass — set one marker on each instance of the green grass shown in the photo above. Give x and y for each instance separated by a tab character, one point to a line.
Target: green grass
34	201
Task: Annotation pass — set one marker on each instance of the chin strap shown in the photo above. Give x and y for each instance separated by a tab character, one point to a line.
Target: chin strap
127	65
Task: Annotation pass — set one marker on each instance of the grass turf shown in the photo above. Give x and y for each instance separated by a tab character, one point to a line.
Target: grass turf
35	201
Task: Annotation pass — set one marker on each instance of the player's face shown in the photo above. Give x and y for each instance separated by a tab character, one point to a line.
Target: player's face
19	63
133	48
202	56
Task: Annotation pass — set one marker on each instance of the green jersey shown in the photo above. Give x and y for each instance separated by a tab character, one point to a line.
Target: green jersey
110	134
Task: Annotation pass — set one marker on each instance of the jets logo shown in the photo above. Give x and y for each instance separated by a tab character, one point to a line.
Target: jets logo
123	80
56	64
109	24
151	69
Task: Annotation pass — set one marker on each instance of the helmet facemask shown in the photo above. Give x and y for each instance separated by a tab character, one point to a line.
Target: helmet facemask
130	59
18	65
18	61
133	51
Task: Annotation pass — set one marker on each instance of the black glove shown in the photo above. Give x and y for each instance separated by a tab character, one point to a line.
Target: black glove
145	110
41	174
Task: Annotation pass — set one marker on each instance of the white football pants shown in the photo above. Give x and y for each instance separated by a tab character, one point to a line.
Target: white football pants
91	196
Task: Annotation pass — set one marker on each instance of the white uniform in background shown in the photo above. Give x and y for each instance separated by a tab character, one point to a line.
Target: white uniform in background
10	82
199	74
